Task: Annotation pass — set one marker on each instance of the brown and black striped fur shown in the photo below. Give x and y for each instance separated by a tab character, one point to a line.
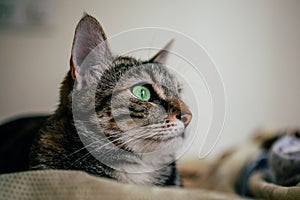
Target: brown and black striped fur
96	101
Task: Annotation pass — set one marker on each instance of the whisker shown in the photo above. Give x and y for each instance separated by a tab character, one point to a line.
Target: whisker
87	155
94	137
133	137
85	146
151	135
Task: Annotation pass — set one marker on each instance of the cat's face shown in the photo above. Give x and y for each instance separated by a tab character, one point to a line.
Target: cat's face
137	103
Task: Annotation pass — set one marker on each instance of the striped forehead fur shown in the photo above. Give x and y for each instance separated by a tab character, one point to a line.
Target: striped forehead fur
153	73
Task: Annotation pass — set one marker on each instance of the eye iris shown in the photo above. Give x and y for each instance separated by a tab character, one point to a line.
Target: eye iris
141	92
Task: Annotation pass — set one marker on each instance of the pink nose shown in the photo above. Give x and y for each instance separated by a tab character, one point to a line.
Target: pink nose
186	118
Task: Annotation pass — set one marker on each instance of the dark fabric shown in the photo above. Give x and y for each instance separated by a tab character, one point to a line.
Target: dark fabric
258	164
16	138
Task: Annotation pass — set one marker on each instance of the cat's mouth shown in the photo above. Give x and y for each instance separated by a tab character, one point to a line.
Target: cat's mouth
166	138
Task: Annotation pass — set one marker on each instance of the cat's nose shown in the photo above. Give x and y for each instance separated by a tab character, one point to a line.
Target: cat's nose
180	112
186	119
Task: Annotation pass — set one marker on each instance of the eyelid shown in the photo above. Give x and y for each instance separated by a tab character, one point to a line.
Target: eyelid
140	84
144	84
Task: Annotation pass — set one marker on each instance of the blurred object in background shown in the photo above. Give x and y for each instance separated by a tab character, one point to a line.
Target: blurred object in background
19	14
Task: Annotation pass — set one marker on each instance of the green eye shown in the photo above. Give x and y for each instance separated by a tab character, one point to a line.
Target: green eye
141	92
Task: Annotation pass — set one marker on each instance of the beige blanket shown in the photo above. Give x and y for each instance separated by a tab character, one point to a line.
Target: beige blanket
55	184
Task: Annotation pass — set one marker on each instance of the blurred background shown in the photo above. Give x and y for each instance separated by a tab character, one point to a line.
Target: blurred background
254	44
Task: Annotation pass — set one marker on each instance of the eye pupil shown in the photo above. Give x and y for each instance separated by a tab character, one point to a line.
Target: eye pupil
142	93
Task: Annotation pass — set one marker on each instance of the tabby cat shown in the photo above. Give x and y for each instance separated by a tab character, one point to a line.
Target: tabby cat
118	117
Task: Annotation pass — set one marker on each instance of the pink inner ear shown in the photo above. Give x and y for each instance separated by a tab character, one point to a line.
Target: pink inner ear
88	35
81	46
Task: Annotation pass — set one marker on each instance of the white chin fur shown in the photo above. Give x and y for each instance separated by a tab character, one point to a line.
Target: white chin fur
168	140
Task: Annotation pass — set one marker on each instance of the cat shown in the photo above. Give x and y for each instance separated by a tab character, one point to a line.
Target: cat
131	104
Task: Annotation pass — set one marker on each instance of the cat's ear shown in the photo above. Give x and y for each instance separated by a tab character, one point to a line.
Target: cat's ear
162	55
90	52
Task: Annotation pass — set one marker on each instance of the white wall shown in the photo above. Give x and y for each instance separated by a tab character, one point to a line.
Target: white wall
255	45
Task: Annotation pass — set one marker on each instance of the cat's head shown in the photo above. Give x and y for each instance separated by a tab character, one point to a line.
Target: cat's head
136	104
